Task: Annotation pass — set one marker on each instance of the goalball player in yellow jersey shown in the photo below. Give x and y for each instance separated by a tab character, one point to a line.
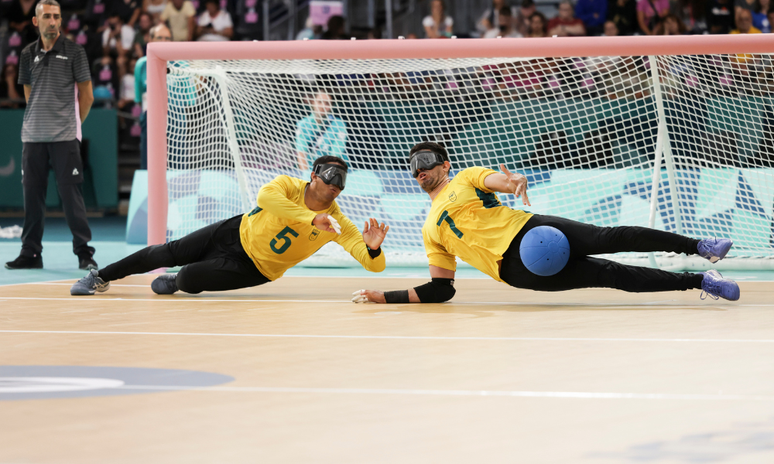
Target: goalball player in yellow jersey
294	218
467	220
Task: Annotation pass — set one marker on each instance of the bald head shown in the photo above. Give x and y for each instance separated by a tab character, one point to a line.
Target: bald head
160	33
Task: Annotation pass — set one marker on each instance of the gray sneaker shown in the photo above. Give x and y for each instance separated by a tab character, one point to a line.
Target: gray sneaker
89	284
164	284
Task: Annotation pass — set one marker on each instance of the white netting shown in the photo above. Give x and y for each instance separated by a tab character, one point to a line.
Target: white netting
588	133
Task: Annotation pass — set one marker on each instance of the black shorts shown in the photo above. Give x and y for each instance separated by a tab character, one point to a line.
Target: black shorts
63	157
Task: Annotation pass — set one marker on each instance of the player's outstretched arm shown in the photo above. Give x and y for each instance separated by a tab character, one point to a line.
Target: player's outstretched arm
508	182
365	247
438	290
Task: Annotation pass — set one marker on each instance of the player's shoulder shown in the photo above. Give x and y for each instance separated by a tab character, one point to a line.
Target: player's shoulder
29	49
72	48
472	172
289	180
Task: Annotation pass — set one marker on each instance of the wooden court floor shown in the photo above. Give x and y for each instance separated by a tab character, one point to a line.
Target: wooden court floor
498	376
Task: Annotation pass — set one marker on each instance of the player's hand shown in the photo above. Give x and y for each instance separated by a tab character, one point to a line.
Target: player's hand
518	183
374	233
327	223
368	296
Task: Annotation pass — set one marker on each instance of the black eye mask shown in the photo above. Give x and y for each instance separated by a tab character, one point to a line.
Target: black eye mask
331	174
424	159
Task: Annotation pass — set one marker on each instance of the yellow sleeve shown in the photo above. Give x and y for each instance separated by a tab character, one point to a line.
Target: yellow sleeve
352	240
476	176
438	256
274	198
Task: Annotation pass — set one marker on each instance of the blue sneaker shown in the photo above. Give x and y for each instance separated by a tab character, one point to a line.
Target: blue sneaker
164	284
89	284
714	249
715	286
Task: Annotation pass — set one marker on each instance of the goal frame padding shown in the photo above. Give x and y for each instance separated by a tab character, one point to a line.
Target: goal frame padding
160	53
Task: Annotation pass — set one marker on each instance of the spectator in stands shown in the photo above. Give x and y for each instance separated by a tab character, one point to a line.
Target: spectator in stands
744	23
320	133
117	42
610	29
128	10
490	19
720	16
624	14
760	14
180	15
11	92
142	36
310	32
154	8
96	15
336	27
19	15
770	15
693	14
565	23
523	17
537	25
504	26
748	5
593	13
125	95
437	24
650	13
158	33
106	80
215	25
670	25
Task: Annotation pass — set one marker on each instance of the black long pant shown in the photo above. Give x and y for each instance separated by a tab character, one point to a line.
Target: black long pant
212	257
65	159
583	271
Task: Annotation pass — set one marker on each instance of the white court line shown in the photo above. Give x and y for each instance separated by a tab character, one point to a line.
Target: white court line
179	299
394	337
184	298
495	393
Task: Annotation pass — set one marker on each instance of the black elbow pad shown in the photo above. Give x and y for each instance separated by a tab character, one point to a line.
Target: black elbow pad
436	291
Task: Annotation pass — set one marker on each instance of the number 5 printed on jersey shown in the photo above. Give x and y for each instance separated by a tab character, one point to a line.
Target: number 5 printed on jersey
285	240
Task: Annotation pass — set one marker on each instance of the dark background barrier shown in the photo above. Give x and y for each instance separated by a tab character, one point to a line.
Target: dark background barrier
100	151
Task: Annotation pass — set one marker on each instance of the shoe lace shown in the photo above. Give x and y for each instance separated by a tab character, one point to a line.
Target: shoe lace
710	289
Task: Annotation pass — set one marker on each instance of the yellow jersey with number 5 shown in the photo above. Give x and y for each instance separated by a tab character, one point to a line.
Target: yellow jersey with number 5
278	233
466	219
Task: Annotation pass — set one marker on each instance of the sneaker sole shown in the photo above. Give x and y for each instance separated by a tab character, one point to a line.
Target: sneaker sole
80	292
22	268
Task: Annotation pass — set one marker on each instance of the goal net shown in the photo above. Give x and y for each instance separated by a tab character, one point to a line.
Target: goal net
682	143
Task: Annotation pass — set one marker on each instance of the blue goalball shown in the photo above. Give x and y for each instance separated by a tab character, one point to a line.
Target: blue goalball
544	250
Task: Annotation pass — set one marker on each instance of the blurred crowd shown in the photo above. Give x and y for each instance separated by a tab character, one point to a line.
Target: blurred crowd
115	33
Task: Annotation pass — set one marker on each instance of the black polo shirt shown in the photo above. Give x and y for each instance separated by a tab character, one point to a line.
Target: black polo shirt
52	113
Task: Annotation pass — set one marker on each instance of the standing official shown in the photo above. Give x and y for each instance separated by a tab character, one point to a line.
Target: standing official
57	87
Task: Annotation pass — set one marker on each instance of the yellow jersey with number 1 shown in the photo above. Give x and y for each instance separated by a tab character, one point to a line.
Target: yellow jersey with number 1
278	233
466	219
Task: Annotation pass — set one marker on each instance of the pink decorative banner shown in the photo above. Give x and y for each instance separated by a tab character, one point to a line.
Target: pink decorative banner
320	10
